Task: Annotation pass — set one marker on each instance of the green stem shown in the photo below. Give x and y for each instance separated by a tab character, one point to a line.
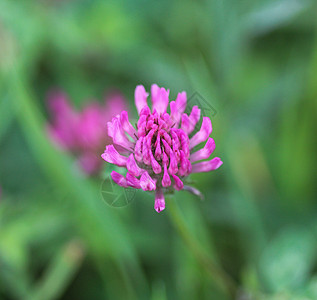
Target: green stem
217	274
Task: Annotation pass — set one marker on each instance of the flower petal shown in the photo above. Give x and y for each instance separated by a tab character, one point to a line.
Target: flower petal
205	152
133	167
146	157
166	181
155	165
119	179
140	96
118	135
132	181
126	125
173	168
112	156
159	204
178	183
178	107
202	134
158	149
138	149
184	165
207	166
189	122
147	183
159	98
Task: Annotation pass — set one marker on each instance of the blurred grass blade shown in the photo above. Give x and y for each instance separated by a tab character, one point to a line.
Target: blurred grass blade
6	115
216	273
288	259
273	14
60	272
158	291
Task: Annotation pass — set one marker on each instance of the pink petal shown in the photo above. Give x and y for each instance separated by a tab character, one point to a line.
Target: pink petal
159	98
155	165
126	125
133	167
159	204
119	179
195	114
112	156
185	166
202	134
165	158
175	140
178	183
166	181
145	111
149	138
205	152
207	166
173	164
185	123
140	96
155	94
150	124
189	122
178	107
181	101
158	149
166	136
132	181
119	136
146	153
184	140
138	149
147	183
167	147
142	125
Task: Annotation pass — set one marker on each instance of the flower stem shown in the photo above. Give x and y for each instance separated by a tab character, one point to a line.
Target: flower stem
216	273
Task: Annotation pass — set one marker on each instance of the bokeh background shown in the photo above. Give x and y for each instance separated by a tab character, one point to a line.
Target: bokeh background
254	235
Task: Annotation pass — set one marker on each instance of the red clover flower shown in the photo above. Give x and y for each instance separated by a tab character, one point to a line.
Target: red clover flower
161	152
82	132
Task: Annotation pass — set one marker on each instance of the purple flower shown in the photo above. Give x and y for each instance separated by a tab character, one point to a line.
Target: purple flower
82	132
162	149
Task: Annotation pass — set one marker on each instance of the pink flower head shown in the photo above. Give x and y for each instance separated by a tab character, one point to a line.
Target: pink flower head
82	132
162	149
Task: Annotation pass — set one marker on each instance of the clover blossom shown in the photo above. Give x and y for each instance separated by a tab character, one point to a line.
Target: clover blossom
161	151
83	133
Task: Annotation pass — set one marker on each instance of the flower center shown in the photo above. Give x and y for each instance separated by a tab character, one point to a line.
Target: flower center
161	149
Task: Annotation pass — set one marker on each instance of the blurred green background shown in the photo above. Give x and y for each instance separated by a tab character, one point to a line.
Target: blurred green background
254	236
